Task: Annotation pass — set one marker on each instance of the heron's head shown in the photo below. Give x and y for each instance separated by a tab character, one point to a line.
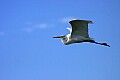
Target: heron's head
64	39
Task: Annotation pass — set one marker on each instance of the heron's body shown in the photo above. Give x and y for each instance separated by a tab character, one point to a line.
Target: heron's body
78	33
74	39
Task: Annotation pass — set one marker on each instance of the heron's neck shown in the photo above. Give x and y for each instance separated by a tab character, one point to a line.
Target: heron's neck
66	39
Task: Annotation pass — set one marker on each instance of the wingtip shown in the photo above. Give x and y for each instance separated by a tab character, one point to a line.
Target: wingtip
90	22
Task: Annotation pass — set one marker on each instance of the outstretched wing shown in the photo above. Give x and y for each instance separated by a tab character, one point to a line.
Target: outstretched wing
80	27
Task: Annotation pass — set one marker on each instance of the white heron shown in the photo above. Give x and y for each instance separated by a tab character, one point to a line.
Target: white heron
78	33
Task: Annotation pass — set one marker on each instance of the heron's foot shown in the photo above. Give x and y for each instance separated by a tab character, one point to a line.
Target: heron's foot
105	44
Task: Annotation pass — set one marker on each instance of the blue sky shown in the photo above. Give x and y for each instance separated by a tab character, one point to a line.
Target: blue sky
28	51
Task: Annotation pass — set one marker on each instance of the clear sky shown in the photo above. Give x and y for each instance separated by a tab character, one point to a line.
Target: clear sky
28	51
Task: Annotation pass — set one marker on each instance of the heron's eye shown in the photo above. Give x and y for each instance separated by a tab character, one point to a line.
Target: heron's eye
65	39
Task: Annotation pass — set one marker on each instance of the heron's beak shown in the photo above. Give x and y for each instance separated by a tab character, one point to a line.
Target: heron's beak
58	36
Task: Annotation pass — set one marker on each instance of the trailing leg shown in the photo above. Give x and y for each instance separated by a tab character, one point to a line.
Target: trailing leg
105	44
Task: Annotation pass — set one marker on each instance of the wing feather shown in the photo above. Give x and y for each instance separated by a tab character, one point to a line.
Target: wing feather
80	27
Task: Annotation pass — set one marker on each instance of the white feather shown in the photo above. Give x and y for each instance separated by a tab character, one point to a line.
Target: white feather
70	29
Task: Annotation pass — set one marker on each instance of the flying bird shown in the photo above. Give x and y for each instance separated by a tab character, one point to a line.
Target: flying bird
78	33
